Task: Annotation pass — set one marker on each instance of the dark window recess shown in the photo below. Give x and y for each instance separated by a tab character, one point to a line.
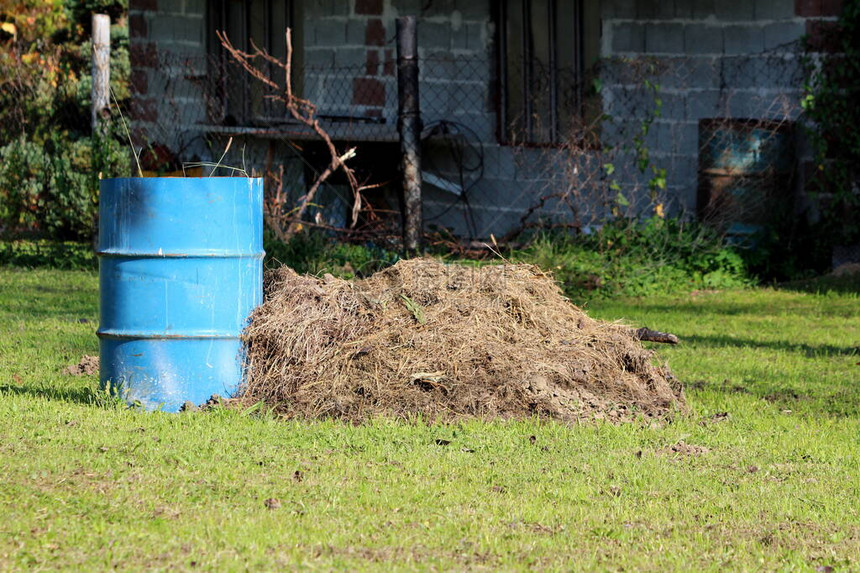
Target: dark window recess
241	99
540	69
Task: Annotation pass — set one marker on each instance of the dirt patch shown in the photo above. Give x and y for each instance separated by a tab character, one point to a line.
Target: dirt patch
683	449
88	366
441	342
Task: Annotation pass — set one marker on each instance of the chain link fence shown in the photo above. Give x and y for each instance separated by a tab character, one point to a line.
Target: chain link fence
715	137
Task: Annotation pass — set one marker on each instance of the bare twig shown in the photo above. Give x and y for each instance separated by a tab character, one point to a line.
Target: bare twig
304	112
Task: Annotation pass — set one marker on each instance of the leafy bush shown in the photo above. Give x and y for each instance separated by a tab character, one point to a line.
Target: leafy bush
623	258
632	258
50	158
832	90
318	252
66	255
51	189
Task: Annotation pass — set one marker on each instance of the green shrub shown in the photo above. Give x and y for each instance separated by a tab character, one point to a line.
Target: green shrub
630	258
318	252
23	176
50	157
52	189
832	89
623	258
66	255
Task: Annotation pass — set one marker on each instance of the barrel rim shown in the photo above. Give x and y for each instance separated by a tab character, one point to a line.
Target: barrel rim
209	178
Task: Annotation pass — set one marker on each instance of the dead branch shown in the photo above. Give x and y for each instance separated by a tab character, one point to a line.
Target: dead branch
304	112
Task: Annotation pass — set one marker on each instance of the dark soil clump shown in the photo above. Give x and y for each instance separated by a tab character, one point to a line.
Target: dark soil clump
444	342
88	366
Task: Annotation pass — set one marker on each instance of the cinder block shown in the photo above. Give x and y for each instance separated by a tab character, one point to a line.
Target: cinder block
170	7
178	29
437	98
433	35
743	39
685	138
735	10
313	9
313	88
355	32
774	9
459	38
621	9
440	67
437	8
703	39
673	106
628	37
195	8
320	58
354	58
782	33
685	168
329	33
743	72
476	37
655	10
405	7
661	137
702	104
690	72
474	10
476	69
747	104
664	38
700	9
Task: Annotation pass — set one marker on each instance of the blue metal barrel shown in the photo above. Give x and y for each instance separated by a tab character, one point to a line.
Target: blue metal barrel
180	270
745	174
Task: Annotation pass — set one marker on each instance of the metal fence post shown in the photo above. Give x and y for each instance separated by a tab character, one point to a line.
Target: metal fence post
409	126
101	66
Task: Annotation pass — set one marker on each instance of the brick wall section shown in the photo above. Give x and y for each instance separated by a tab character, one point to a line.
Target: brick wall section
358	39
712	58
720	58
167	48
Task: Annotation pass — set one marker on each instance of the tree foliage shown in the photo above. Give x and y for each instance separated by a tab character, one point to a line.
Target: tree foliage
50	157
830	102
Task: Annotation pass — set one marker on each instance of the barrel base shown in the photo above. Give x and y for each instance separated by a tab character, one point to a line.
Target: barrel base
162	374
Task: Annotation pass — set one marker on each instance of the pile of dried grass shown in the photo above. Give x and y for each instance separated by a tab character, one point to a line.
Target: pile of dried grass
443	342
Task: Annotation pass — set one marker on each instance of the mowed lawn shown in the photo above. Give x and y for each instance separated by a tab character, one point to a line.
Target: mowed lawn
762	474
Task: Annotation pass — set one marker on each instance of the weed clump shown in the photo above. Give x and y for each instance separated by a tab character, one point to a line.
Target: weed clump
442	342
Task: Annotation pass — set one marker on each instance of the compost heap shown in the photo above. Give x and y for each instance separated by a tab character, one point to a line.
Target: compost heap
439	342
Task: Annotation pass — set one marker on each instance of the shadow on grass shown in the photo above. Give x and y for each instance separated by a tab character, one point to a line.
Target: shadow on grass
87	396
847	284
808	350
814	401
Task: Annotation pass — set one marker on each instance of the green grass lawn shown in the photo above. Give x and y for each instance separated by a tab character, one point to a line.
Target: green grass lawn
773	482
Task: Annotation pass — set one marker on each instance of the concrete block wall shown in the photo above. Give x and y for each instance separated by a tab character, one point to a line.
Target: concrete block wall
168	59
350	58
710	58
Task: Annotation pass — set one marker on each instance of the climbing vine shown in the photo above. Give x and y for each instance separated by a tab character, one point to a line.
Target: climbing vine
832	91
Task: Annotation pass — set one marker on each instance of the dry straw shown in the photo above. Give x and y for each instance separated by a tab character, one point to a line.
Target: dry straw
444	342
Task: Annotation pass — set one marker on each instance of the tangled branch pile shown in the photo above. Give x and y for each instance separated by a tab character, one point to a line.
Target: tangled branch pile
443	342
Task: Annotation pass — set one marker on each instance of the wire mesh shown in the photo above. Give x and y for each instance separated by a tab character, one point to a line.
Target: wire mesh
628	136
